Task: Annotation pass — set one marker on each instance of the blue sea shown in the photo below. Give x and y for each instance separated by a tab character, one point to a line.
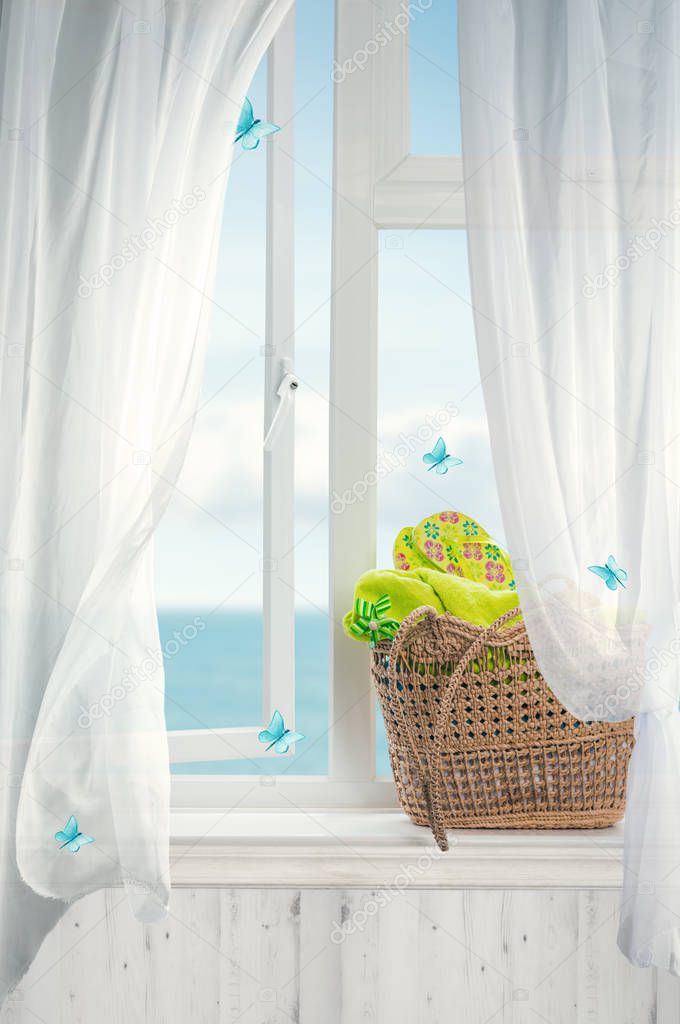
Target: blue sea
215	680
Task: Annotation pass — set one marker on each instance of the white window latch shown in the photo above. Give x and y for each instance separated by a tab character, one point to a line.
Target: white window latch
285	392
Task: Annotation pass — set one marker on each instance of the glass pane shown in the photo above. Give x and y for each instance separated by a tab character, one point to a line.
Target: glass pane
428	358
313	213
209	556
433	78
208	547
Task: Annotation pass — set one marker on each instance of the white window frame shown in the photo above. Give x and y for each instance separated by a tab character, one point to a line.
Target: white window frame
377	184
278	607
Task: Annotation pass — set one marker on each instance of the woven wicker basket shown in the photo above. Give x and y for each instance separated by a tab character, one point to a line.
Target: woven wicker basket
477	740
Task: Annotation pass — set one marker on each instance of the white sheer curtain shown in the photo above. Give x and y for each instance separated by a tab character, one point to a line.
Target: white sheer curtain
571	140
117	129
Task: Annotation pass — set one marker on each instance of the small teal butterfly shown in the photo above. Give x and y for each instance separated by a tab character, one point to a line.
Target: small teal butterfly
439	460
71	838
251	129
610	572
277	736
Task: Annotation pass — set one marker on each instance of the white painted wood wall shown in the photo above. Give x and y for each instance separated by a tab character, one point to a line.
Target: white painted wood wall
266	957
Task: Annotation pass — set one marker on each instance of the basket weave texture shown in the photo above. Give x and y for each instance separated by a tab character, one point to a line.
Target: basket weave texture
477	739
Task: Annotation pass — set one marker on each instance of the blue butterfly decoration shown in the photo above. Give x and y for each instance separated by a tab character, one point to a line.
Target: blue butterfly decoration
611	573
439	460
70	836
251	129
277	736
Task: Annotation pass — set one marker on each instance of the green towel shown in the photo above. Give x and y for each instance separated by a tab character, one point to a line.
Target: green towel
465	599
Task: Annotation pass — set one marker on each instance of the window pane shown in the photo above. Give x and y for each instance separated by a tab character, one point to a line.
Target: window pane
313	211
433	78
209	550
208	547
428	358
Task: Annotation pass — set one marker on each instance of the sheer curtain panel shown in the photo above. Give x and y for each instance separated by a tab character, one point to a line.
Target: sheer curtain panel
571	146
117	127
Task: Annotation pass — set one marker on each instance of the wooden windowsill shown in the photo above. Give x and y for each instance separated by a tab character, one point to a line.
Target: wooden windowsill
372	848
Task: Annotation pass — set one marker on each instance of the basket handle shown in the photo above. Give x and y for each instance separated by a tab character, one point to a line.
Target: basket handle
425	610
429	777
473	651
432	784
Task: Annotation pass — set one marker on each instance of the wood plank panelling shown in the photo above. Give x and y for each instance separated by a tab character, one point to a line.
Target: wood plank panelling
320	957
389	956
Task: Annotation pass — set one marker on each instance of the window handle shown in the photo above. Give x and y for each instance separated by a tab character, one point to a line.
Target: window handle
285	392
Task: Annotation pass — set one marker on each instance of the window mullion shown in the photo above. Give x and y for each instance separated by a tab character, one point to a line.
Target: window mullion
353	386
278	534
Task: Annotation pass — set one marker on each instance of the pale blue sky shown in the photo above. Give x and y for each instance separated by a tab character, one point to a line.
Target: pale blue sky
208	547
